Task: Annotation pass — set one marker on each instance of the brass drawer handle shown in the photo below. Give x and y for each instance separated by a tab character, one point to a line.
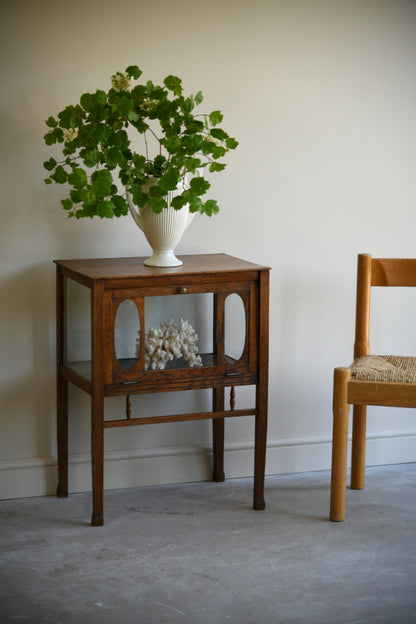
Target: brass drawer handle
182	290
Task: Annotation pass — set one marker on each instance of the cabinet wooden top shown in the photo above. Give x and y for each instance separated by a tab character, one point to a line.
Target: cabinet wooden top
108	268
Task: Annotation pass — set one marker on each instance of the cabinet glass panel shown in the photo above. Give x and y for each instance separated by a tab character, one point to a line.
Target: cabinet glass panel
179	331
234	327
127	334
77	351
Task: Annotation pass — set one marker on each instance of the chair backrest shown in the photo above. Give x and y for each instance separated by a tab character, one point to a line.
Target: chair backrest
377	272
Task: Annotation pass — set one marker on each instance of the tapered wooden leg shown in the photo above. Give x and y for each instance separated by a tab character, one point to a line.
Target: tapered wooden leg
339	444
61	387
260	450
62	437
97	459
262	394
218	435
358	447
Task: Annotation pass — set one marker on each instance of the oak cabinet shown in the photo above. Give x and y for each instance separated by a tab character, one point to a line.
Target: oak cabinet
226	302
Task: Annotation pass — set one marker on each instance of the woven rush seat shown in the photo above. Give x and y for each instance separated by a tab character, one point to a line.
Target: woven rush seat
393	368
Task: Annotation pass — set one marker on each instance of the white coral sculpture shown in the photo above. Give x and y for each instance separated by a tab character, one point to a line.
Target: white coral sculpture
168	342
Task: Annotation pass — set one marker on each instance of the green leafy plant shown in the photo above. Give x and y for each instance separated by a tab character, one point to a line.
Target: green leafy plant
97	136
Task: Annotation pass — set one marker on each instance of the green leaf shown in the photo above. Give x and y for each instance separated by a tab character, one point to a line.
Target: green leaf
96	133
218	152
215	118
91	158
78	195
78	178
188	105
120	205
100	98
59	176
231	143
218	133
101	183
139	161
54	136
149	88
71	117
91	102
105	209
173	83
51	122
90	203
198	98
178	202
211	207
133	71
86	102
157	204
136	193
156	191
67	204
141	126
217	166
207	147
199	185
192	164
124	105
132	115
157	93
169	181
195	205
49	138
192	143
113	156
50	164
194	125
89	209
119	139
172	144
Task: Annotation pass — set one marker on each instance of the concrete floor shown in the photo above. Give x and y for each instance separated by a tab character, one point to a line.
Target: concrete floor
198	554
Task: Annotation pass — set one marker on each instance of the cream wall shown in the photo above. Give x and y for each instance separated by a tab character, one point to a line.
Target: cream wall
321	96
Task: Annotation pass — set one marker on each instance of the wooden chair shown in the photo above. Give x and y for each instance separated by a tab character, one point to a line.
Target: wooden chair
370	380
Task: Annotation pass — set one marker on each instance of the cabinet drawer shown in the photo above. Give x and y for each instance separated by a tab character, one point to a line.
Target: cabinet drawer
183	287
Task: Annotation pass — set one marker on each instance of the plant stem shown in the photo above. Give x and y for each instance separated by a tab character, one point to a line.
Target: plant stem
146	147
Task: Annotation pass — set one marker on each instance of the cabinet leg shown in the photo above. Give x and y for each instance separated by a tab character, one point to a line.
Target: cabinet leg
62	437
218	436
260	455
97	460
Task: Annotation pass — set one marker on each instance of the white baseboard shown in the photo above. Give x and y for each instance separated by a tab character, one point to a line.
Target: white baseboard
181	464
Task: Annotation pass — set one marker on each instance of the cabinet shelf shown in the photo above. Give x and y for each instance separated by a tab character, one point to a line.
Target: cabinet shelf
84	368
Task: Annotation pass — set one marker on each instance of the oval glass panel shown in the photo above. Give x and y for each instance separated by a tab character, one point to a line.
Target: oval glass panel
234	327
127	334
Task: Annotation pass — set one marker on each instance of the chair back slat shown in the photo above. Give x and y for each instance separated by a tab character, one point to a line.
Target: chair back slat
362	315
377	272
393	272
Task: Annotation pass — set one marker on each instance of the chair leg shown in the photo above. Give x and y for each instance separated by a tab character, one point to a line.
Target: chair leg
358	447
339	444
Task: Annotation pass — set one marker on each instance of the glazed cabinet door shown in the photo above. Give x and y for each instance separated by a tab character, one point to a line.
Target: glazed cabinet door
193	331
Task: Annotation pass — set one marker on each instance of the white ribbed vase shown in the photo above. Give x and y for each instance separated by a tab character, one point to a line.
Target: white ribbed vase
163	230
